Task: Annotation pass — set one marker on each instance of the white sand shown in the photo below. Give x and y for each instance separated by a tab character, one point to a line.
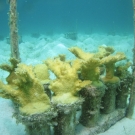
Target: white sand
33	51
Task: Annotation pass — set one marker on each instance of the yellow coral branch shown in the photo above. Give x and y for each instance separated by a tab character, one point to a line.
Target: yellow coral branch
27	91
67	82
80	53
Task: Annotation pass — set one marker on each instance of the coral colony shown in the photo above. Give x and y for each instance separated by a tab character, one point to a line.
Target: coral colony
92	84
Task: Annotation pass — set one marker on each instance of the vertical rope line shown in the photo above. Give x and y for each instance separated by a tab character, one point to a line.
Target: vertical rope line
130	109
13	29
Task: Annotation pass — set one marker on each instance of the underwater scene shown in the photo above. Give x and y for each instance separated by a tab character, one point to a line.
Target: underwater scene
67	67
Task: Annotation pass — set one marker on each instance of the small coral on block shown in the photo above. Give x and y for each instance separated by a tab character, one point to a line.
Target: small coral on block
109	62
112	82
90	69
26	91
67	85
66	88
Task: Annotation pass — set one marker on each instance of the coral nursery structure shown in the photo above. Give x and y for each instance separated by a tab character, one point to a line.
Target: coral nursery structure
80	85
